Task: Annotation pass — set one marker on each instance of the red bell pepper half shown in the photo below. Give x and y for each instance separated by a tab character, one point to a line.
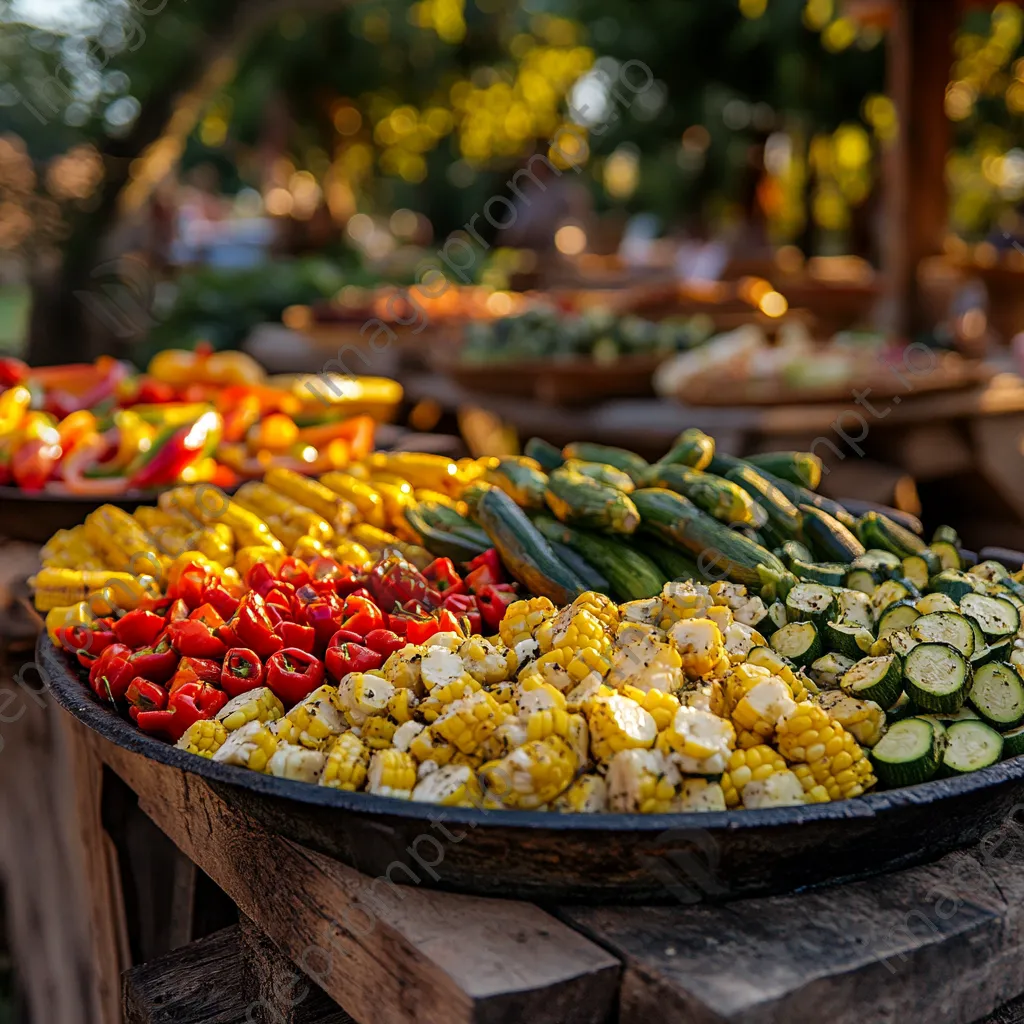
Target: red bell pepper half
345	657
494	601
242	671
444	577
145	695
384	641
194	639
294	634
190	703
157	663
293	675
139	628
90	640
254	629
111	673
361	616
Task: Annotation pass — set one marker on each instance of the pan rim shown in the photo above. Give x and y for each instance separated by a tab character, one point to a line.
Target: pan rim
73	696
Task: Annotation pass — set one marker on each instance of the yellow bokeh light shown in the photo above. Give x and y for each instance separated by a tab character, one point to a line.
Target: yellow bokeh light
347	120
403	223
360	227
774	304
570	240
852	146
499	304
960	98
818	13
839	35
753	9
279	202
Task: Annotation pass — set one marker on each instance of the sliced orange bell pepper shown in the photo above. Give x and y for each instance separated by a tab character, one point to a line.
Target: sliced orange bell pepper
358	431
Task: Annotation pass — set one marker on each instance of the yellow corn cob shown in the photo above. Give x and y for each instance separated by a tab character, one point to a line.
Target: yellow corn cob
581	698
642	782
351	552
259	705
251	746
781	789
506	738
618	723
522	619
69	549
247	557
721	616
374	539
684	601
347	761
531	775
288	535
313	722
700	644
765	657
118	538
700	741
392	773
573	729
264	501
300	764
361	695
760	708
454	785
428	746
587	795
863	719
646	663
378	732
401	704
313	495
661	706
603	608
217	542
434	472
367	501
467	723
171	533
105	590
402	669
577	663
485	662
573	628
750	765
209	506
69	616
204	738
825	756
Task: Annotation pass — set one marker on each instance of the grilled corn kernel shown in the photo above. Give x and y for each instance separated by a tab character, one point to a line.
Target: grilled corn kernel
392	773
311	494
467	723
346	764
378	732
603	608
250	746
401	705
454	785
573	729
661	706
290	761
618	723
531	775
587	795
642	782
315	721
361	695
522	619
863	719
259	705
701	741
754	764
402	669
429	746
781	789
685	600
700	644
757	711
361	494
485	662
204	738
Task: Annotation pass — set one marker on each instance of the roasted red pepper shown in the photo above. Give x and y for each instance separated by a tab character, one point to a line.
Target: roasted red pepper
260	579
420	629
145	695
190	703
494	601
221	599
195	639
295	572
394	581
384	641
293	675
157	663
447	622
254	629
111	673
85	639
178	611
491	560
361	616
242	671
465	608
139	628
324	616
294	634
442	575
349	657
209	615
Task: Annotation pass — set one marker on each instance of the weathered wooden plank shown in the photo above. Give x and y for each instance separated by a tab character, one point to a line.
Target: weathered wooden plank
384	953
942	943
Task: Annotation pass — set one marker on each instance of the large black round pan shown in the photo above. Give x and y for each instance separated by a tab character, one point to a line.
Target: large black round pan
611	858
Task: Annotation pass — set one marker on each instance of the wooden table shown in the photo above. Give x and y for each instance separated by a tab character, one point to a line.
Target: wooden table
102	906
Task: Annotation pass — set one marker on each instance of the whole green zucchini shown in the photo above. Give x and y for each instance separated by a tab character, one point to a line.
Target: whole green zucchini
904	519
633	576
581	501
878	531
802	496
800	468
691	448
783	516
521	479
546	455
719	550
444	517
628	462
524	550
723	499
579	565
458	545
603	474
829	538
668	558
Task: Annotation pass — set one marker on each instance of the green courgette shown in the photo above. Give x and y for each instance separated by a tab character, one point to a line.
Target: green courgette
524	550
720	551
628	462
632	575
910	752
878	531
458	545
691	448
668	558
521	479
603	474
829	538
904	519
804	496
800	468
546	455
579	565
580	501
721	498
784	517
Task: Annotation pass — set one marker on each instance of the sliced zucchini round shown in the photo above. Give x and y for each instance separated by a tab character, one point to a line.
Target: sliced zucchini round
829	669
888	593
910	752
1001	651
897	616
903	708
852	640
1013	742
902	642
831	574
937	677
862	580
997	694
811	602
965	714
952	583
877	679
948	554
945	628
991	570
880	563
915	569
997	617
855	608
969	747
798	641
936	603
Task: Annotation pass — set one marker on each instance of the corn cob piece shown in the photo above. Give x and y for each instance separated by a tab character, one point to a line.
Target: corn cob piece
315	721
700	644
541	724
392	773
531	775
467	723
661	706
706	697
646	663
485	662
313	495
721	616
454	785
572	629
781	789
757	711
618	723
346	764
308	548
73	615
571	665
603	608
401	705
378	733
686	600
259	705
755	764
249	529
266	502
251	746
429	746
104	590
361	695
700	795
405	734
69	549
359	493
646	612
351	552
522	619
506	738
374	539
863	719
700	741
217	542
580	698
118	538
587	795
172	534
827	759
643	782
434	472
402	669
203	738
300	764
537	695
440	667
